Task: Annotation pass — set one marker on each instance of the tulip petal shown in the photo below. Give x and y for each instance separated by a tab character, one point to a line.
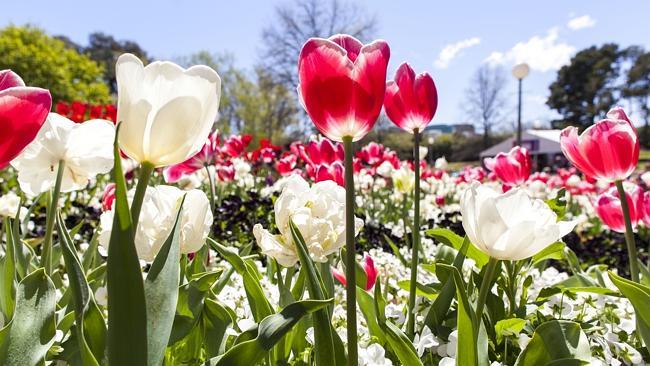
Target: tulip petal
9	79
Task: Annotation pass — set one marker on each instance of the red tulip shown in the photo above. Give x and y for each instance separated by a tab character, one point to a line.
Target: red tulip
205	156
608	207
607	150
62	108
321	152
78	112
369	269
96	111
334	171
411	100
235	146
23	111
110	112
226	172
512	168
372	154
286	164
342	84
646	208
108	197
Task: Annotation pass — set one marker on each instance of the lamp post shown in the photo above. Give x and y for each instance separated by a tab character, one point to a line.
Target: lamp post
431	140
520	71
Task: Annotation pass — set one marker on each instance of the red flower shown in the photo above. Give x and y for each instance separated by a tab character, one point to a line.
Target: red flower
342	84
369	270
607	150
411	100
205	156
78	112
334	171
512	168
235	146
23	111
372	154
226	172
608	207
96	111
286	164
108	197
110	112
63	109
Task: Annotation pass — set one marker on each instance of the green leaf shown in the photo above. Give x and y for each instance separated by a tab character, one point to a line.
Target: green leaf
556	341
260	306
161	291
508	328
553	251
8	280
558	204
323	331
468	325
639	296
30	333
269	332
216	320
442	304
127	309
396	251
451	239
367	305
421	289
90	324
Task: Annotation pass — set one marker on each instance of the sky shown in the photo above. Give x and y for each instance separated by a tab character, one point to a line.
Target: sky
448	39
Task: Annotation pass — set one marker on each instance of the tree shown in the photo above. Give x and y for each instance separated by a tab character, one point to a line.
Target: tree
47	62
486	98
301	20
105	50
586	87
637	85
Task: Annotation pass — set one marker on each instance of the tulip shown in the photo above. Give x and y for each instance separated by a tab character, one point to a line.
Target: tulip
235	146
200	160
512	168
63	157
10	205
511	225
410	103
372	154
411	100
609	209
286	164
441	163
342	84
166	112
607	150
157	220
23	111
369	270
108	197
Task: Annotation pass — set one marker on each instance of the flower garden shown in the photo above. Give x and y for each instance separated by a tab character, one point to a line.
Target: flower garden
139	235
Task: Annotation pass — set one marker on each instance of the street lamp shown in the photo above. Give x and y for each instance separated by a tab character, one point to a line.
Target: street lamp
520	71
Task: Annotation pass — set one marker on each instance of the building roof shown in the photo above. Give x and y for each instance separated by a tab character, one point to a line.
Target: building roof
536	141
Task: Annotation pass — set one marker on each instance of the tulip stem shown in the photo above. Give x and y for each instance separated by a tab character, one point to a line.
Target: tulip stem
350	262
146	169
212	191
490	269
629	233
415	231
46	254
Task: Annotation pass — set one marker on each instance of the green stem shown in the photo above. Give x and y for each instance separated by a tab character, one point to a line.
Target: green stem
410	325
629	233
490	269
146	169
350	263
46	254
212	191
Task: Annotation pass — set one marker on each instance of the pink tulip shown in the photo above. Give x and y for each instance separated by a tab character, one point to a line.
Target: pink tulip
23	111
608	207
372	154
286	164
368	267
206	156
512	168
342	84
607	150
411	100
235	146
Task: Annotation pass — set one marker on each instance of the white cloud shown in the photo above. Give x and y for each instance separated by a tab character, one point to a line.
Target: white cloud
540	53
582	22
452	50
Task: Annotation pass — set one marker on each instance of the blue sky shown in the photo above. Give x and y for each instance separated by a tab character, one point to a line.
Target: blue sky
449	39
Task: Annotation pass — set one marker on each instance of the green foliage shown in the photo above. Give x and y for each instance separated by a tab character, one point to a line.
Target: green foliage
48	63
557	342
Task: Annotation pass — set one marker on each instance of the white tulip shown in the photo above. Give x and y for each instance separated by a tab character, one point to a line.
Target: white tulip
509	225
403	179
9	204
319	214
85	148
166	112
423	152
441	163
157	217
